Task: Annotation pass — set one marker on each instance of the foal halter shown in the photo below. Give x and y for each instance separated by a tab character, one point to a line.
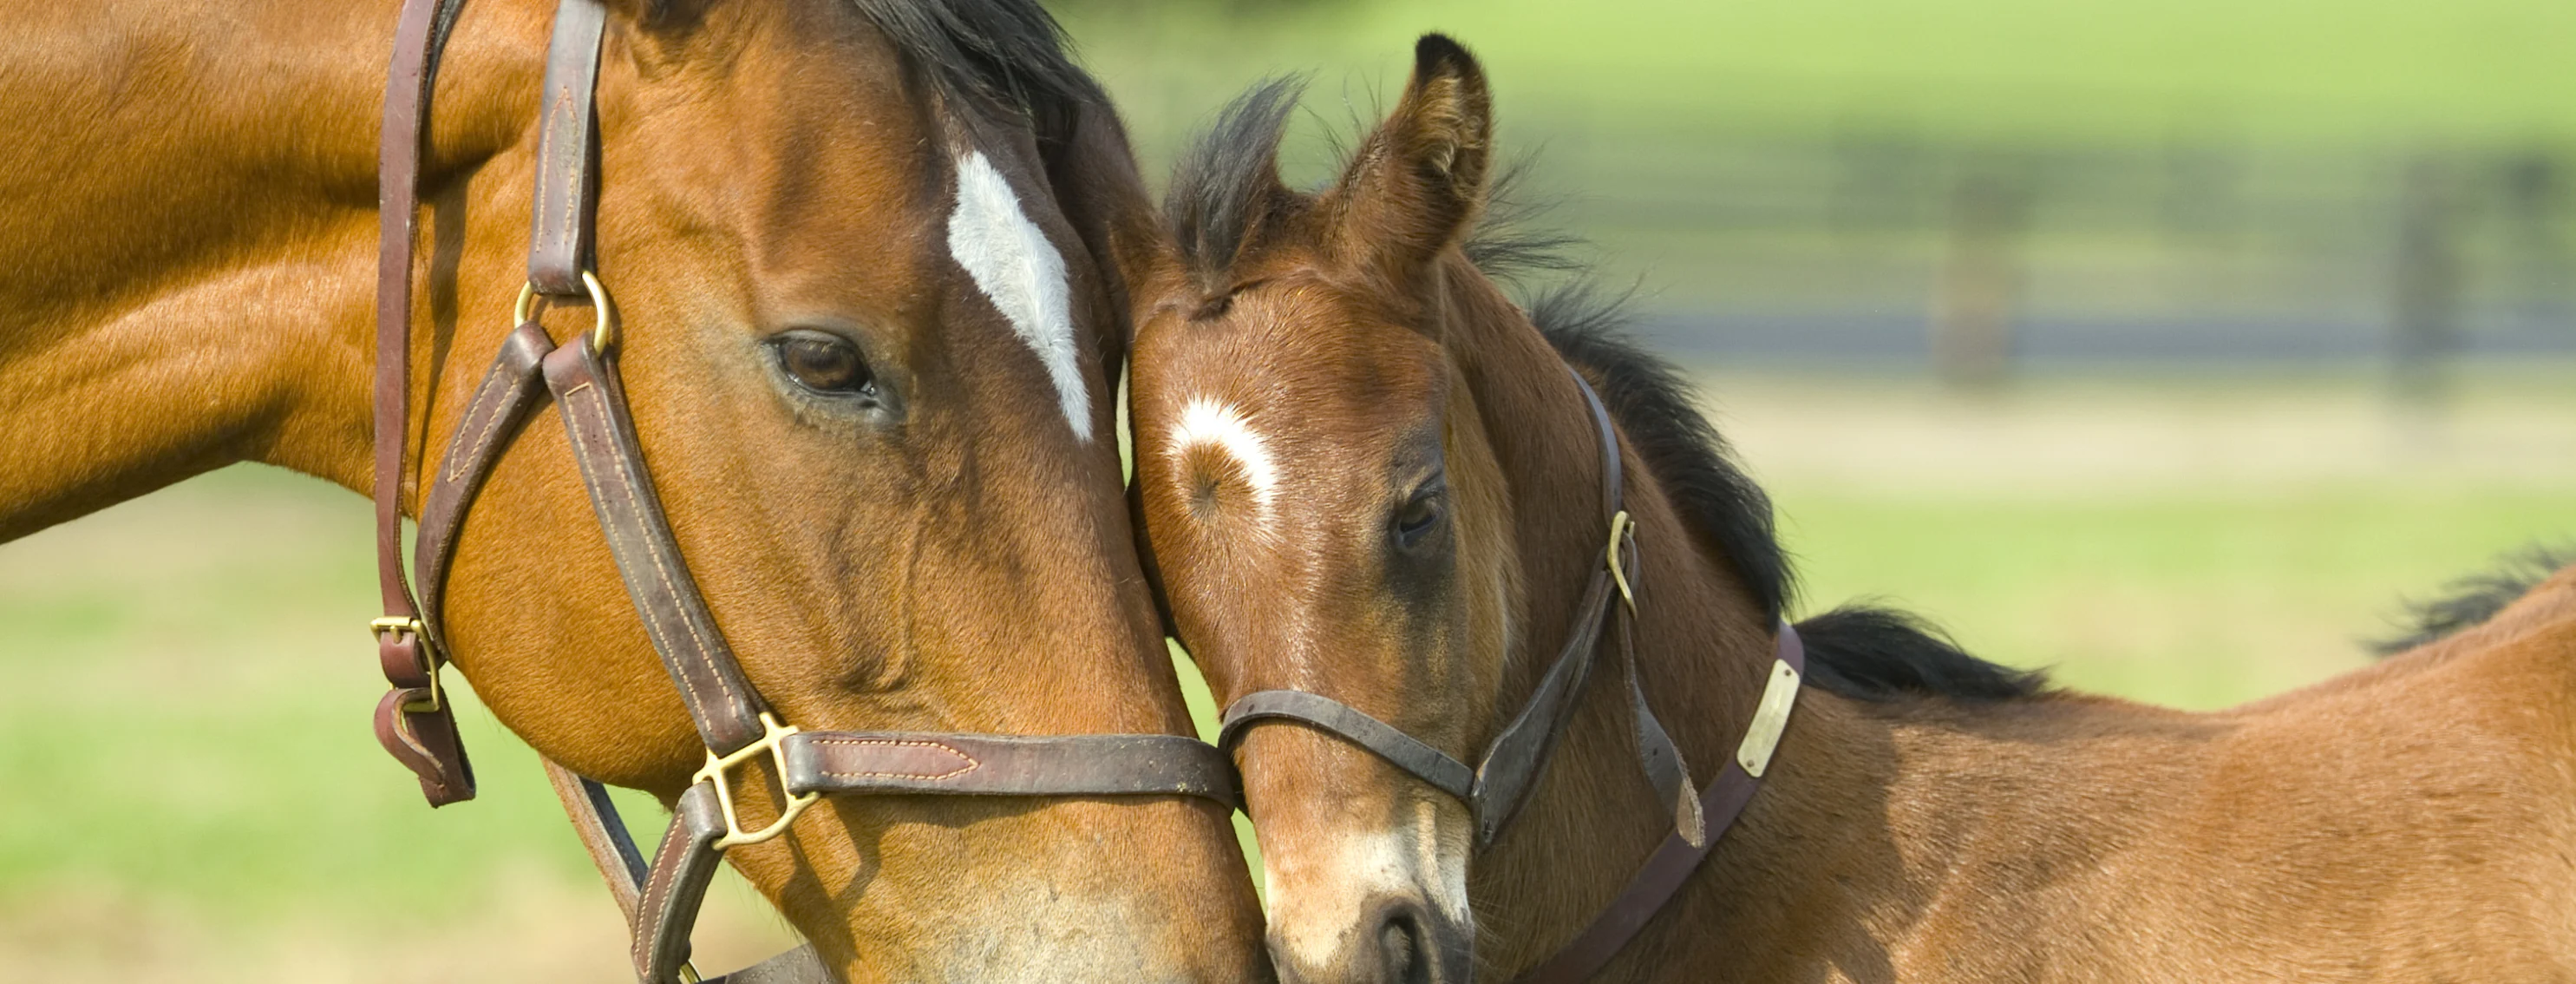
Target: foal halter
1496	788
416	722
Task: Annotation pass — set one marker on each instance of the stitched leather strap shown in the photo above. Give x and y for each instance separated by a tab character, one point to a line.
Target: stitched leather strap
419	731
1388	742
903	762
686	862
798	966
509	392
603	833
1664	871
675	616
567	149
1512	763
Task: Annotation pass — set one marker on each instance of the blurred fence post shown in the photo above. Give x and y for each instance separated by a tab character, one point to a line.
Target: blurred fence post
2535	201
2426	302
1972	311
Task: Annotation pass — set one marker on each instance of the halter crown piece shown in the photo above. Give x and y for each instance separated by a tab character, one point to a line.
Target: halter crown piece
416	722
1496	788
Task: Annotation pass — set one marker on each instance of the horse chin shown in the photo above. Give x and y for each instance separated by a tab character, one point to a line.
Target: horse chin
997	892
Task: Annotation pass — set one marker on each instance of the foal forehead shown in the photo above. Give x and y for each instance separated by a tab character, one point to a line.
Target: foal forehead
1302	350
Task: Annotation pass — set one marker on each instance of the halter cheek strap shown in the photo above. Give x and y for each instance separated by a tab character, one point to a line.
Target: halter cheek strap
1500	784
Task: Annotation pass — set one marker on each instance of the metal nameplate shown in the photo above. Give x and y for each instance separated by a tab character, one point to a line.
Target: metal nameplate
1779	697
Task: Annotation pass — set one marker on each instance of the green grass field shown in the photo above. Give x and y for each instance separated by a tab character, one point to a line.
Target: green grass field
2333	71
196	795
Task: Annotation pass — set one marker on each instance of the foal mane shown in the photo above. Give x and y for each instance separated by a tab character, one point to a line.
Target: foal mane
2469	601
1860	651
1225	189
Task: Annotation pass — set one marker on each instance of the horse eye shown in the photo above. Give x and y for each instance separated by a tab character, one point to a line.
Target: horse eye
1419	517
825	364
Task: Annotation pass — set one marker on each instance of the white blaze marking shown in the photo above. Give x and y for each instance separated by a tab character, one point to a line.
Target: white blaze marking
1210	422
1022	274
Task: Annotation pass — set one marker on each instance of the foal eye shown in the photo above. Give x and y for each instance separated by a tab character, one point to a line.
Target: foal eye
825	364
1419	516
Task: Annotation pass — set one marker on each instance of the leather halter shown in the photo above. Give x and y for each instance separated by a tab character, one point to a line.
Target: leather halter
416	722
1496	788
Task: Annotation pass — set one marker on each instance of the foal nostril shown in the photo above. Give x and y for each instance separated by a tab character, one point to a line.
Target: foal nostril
1419	948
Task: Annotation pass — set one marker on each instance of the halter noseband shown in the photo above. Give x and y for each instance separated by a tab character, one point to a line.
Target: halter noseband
415	721
1499	785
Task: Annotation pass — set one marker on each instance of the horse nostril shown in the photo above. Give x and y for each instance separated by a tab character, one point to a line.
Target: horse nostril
1411	943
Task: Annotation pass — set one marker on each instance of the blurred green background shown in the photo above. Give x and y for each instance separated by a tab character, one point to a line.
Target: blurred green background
2173	346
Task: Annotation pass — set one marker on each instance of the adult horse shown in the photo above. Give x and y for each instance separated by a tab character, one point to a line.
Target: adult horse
859	252
1397	528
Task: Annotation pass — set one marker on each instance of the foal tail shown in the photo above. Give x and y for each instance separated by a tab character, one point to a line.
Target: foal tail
2469	601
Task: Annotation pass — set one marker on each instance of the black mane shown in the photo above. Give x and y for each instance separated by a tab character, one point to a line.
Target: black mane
1221	192
1864	652
2472	600
1010	52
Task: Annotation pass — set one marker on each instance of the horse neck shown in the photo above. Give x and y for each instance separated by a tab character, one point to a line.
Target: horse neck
1702	643
203	214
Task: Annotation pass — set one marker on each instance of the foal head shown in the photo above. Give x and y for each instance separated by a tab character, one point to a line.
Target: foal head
862	253
1325	505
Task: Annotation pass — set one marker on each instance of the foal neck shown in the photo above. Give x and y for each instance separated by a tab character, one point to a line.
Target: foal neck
1703	642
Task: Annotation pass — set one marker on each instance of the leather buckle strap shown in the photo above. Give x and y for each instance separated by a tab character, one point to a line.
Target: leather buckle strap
593	407
911	762
559	253
704	824
413	721
773	734
1676	859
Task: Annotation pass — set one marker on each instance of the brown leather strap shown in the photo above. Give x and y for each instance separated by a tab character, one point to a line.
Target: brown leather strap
682	868
1513	761
567	150
798	966
1662	760
1665	871
509	392
1388	742
902	762
719	698
411	722
603	833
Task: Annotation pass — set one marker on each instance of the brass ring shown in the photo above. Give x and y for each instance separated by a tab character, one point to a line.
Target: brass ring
603	331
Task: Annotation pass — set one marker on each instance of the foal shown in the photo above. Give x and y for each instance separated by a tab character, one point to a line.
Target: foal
1366	475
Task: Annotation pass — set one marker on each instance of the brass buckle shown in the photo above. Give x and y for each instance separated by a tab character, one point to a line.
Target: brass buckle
717	766
395	624
603	329
1622	529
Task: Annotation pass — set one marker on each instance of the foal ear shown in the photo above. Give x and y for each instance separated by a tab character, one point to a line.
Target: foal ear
1415	185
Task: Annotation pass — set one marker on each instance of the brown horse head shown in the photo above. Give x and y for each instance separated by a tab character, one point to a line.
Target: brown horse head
864	255
1365	474
1324	504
